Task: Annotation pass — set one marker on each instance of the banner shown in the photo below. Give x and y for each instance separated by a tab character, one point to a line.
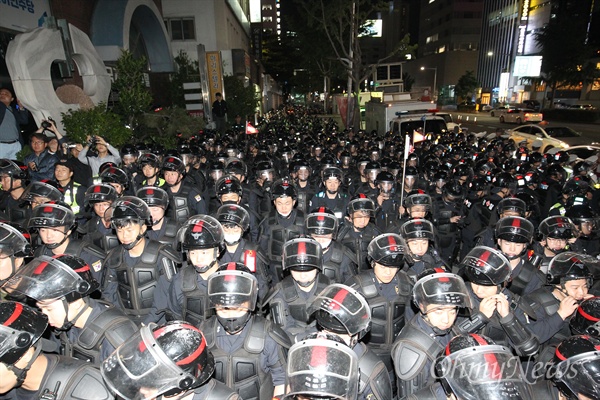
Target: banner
215	75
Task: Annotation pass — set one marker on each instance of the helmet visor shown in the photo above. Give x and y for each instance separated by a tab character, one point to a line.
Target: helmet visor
232	289
582	374
44	278
345	306
444	289
323	368
139	369
485	372
11	241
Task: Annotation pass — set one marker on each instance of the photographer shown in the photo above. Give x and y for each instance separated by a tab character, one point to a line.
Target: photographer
105	153
40	162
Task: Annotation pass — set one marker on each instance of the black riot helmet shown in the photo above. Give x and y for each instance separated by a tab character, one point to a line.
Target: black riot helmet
16	171
485	266
330	366
153	196
472	366
42	189
453	192
234	214
129	209
387	249
302	254
569	266
21	326
557	227
49	278
586	320
115	175
173	164
512	204
201	232
514	229
284	188
439	288
341	309
228	184
575	367
149	159
99	194
162	359
361	202
321	221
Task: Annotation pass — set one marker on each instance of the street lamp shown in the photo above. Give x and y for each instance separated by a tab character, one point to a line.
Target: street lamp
434	81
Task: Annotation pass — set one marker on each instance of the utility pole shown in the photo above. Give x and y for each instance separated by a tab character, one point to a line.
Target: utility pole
349	110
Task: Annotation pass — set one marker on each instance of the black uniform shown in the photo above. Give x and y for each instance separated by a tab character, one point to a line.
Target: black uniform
358	242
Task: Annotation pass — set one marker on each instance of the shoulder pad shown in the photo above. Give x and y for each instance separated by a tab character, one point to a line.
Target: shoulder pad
279	335
168	251
271	294
409	359
208	328
255	341
95	250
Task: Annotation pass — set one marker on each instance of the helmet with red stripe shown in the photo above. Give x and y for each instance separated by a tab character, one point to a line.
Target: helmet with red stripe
575	367
439	288
302	254
361	202
387	249
557	227
514	229
485	266
201	232
569	266
162	360
233	285
99	194
472	366
57	277
343	310
586	320
153	196
21	327
321	221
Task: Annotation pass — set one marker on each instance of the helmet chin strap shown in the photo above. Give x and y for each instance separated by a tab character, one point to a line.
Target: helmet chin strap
21	373
53	246
436	330
69	324
131	245
202	270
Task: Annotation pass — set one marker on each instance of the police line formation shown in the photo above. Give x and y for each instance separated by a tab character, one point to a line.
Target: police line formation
305	262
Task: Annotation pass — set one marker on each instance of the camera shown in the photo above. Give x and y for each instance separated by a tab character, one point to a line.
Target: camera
46	124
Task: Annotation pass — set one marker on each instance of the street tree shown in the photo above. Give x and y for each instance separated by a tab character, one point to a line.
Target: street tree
341	22
466	86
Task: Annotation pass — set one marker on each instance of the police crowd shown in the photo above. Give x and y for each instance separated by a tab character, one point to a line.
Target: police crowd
305	262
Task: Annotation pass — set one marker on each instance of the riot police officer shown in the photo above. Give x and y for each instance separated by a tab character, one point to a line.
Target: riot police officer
25	372
289	299
15	177
164	229
98	229
438	296
135	266
185	296
250	352
420	253
61	285
164	361
184	200
387	290
497	312
344	312
557	234
513	236
338	262
333	197
284	222
55	223
357	231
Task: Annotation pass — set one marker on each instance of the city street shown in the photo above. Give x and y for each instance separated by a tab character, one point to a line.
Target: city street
480	121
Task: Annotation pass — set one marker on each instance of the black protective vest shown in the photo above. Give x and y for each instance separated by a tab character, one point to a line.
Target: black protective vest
136	285
297	304
387	317
111	325
358	245
241	370
518	284
280	235
72	379
195	307
332	268
179	209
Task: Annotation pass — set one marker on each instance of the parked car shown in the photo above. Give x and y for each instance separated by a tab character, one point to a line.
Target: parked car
532	104
583	107
521	115
551	136
486	107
